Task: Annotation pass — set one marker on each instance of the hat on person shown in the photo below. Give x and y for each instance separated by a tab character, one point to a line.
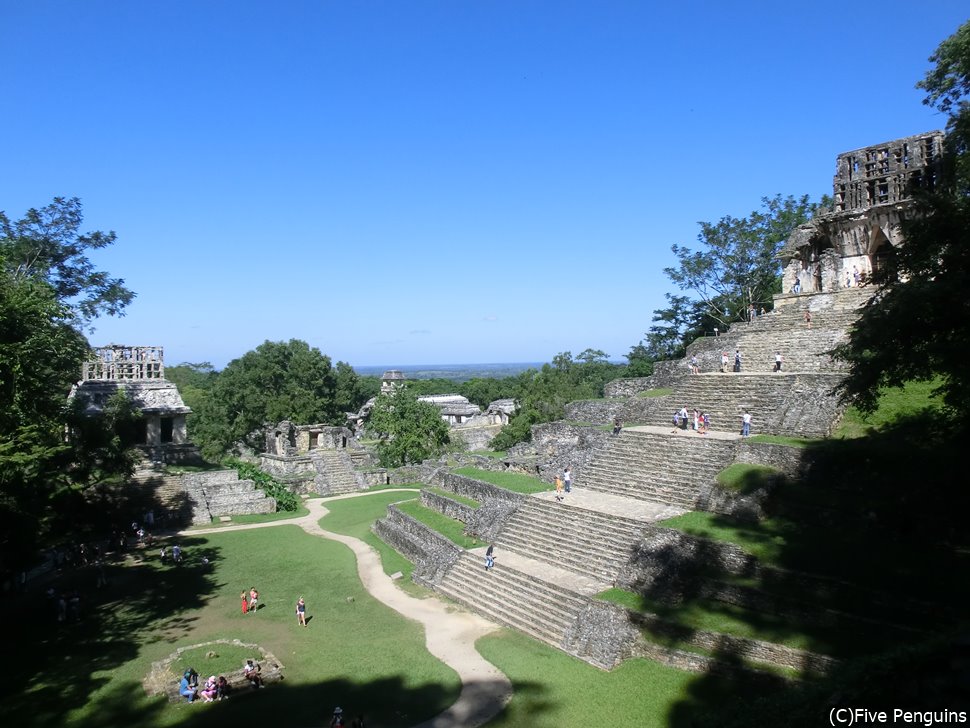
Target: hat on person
337	711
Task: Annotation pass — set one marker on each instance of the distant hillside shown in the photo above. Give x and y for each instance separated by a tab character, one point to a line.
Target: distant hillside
456	372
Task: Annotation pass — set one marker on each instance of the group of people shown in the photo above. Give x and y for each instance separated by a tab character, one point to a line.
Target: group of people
337	721
215	688
700	422
725	360
250	600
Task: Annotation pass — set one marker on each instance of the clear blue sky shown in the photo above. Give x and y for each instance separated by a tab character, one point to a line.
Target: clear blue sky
433	182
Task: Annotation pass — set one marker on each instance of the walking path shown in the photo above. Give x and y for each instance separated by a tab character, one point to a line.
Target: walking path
449	635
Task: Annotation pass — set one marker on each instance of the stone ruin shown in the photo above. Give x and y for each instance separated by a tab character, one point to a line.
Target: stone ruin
476	428
139	372
872	193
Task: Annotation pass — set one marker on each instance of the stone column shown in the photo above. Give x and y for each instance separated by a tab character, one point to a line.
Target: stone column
179	433
154	430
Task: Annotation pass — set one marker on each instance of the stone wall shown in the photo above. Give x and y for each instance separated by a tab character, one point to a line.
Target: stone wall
558	444
498	504
602	634
447	506
431	553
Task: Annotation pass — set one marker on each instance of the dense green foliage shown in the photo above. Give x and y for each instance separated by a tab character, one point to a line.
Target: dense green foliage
915	328
408	430
735	268
274	382
543	394
48	290
285	500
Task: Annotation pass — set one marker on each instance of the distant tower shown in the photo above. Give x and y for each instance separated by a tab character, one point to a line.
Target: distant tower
139	372
391	380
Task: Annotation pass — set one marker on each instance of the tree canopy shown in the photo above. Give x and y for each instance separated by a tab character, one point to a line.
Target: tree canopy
47	244
735	268
408	429
274	382
915	327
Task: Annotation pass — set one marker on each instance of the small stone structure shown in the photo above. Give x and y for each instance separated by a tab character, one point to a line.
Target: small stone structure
872	194
139	372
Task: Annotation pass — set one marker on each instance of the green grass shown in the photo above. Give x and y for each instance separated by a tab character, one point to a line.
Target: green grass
355	652
745	478
896	403
516	482
851	639
355	516
765	540
783	440
227	658
265	517
447	527
471	503
659	392
555	690
494	454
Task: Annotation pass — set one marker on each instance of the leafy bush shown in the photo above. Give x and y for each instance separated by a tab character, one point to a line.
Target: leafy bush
285	500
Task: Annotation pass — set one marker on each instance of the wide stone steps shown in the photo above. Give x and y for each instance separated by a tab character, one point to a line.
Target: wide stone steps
513	598
667	469
586	542
335	475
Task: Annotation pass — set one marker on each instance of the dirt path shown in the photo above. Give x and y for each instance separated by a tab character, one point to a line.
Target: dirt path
449	635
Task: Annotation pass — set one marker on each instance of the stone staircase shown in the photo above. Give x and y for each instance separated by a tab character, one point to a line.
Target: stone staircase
803	349
218	493
647	466
587	542
517	598
334	472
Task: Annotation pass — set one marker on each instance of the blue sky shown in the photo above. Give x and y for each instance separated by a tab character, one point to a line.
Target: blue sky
433	182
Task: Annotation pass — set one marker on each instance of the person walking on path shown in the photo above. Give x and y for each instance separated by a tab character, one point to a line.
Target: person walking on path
245	602
567	477
558	488
737	360
490	557
301	612
777	361
746	424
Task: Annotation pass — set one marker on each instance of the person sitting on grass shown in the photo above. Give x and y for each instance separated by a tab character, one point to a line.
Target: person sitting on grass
222	688
251	671
210	690
185	689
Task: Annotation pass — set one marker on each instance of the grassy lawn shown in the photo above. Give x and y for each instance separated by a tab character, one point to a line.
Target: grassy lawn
745	478
907	400
455	497
447	527
516	482
355	516
853	639
659	392
554	690
355	652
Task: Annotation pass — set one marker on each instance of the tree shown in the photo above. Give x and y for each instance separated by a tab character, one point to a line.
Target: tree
737	267
274	382
409	430
915	327
47	245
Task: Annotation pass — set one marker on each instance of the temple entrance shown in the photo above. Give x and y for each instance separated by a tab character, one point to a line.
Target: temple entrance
880	253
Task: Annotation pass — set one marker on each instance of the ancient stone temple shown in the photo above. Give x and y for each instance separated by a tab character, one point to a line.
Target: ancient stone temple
872	194
139	372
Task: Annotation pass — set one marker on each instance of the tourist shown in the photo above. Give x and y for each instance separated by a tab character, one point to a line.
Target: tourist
808	318
338	718
746	424
617	425
558	488
222	688
176	554
301	612
694	365
210	690
855	276
245	602
567	477
696	425
683	418
797	288
163	554
777	361
848	280
251	672
676	422
253	599
737	360
185	689
490	557
707	422
724	362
